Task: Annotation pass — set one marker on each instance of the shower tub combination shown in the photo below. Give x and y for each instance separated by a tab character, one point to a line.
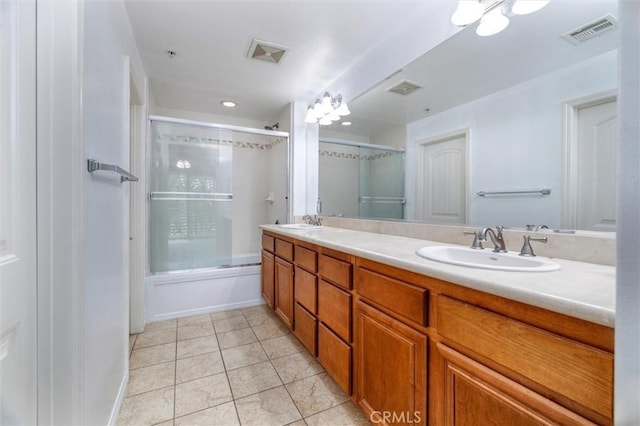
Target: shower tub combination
210	186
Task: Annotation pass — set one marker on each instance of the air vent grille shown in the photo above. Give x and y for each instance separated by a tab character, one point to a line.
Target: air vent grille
592	29
405	87
265	51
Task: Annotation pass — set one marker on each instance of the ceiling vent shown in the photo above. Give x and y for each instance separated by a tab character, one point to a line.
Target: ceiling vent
592	29
267	52
405	87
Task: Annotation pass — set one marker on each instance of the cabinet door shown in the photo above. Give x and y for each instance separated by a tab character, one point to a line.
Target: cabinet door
475	394
391	369
284	291
268	264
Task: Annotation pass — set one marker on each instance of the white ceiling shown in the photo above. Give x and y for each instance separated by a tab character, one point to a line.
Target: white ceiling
467	67
212	39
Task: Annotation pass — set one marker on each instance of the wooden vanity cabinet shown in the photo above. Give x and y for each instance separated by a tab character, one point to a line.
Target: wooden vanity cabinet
268	271
417	350
391	369
277	276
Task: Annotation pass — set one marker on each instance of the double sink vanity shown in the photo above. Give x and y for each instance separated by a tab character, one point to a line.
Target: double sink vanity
415	340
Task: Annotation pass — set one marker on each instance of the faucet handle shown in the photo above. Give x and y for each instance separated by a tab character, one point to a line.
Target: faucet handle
526	249
477	239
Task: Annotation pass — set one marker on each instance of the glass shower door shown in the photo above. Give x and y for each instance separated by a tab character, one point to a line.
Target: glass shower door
381	183
191	198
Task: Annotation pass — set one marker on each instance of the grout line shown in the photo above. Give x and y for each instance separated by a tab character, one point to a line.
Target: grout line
175	378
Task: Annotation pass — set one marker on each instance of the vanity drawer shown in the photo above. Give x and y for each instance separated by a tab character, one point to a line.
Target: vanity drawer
305	289
579	372
404	299
306	328
268	243
334	309
335	270
335	357
307	259
284	249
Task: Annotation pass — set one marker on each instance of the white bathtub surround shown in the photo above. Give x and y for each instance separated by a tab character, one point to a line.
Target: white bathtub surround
186	293
584	246
582	290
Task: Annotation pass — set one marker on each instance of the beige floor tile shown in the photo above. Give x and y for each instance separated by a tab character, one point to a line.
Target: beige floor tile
271	407
316	393
296	366
167	423
257	309
154	338
242	356
229	324
195	319
197	346
300	422
195	330
263	318
346	414
202	393
220	415
147	408
198	366
270	330
152	355
231	339
132	340
161	325
253	379
151	378
227	314
281	346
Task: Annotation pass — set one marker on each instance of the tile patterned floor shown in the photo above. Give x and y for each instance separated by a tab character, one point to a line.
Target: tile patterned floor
238	367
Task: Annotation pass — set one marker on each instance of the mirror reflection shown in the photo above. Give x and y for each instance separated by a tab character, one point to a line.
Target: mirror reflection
518	128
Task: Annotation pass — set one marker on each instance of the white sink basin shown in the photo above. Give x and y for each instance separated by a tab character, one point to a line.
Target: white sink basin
486	259
301	226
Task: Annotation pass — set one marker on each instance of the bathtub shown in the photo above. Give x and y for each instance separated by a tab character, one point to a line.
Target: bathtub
184	293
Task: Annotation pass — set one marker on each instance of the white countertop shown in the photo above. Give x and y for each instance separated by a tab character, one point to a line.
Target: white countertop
578	289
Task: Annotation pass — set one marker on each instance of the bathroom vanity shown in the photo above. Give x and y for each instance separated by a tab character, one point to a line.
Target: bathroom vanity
414	341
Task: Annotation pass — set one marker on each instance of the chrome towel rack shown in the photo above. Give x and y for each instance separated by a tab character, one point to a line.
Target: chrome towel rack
125	176
543	191
382	200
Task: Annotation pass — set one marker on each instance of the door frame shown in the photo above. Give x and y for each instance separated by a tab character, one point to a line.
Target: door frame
570	151
137	256
420	167
61	173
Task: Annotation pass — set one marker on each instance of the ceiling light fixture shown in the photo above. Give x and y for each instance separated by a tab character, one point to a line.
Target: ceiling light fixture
493	14
228	104
327	110
346	123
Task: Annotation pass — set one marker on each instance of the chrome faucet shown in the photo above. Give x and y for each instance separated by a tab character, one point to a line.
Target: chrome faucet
315	220
477	239
526	249
496	238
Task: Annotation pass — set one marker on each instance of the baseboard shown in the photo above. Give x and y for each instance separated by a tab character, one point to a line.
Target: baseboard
115	412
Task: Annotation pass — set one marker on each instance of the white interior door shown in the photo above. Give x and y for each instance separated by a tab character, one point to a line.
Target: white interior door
18	374
597	135
442	188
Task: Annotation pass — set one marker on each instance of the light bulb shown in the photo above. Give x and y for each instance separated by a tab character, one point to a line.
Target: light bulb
326	103
343	109
311	116
317	109
524	7
492	23
467	12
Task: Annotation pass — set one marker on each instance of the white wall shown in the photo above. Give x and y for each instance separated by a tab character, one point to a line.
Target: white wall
515	142
627	364
107	42
203	116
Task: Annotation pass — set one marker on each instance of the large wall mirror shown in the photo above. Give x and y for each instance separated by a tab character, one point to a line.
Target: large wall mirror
518	129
